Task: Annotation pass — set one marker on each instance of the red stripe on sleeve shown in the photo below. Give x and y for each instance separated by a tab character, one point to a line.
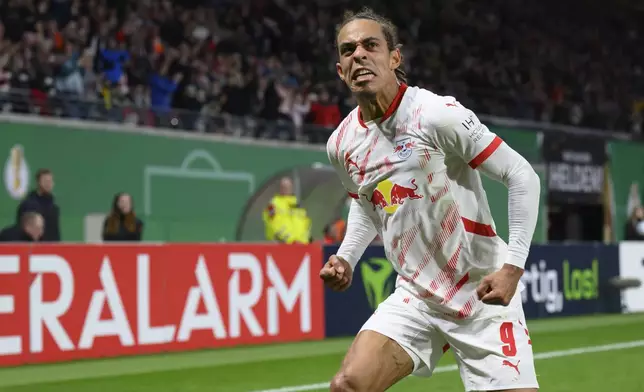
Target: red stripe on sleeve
478	228
485	154
353	195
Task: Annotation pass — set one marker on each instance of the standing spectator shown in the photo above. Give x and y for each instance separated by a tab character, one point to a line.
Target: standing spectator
69	80
122	224
162	88
324	112
41	200
30	229
112	60
301	108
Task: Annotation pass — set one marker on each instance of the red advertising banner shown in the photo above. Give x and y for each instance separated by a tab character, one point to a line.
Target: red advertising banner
64	302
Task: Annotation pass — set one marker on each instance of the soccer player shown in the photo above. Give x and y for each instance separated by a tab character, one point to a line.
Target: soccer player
411	159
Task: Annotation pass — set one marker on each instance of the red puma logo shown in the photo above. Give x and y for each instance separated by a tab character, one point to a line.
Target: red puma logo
452	104
513	366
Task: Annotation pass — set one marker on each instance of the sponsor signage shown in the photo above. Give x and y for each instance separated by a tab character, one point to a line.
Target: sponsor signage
64	302
575	168
563	280
560	280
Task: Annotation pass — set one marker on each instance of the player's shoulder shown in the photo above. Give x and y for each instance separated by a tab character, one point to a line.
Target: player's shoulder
339	136
439	110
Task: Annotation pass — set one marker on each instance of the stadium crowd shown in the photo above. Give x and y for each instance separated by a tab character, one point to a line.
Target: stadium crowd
220	66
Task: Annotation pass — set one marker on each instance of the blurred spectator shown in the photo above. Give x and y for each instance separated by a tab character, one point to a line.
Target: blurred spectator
122	224
222	62
324	112
69	81
162	88
41	200
29	229
334	232
112	59
634	227
284	219
299	111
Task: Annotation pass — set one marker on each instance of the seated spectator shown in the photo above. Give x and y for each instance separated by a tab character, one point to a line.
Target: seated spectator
122	224
30	229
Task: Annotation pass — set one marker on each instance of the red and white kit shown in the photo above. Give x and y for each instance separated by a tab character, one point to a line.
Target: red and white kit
414	178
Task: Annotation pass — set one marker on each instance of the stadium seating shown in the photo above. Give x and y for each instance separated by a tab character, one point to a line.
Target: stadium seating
266	68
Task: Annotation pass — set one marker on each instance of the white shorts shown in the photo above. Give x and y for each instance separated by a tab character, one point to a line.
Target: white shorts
492	349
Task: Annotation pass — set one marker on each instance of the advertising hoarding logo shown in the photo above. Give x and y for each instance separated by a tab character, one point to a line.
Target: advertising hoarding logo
379	279
16	173
555	287
71	302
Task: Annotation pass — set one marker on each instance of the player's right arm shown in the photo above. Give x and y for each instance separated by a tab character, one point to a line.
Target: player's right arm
360	233
338	271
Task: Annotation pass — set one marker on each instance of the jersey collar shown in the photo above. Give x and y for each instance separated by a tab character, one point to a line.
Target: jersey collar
391	109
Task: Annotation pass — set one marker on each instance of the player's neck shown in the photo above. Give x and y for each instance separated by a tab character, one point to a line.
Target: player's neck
376	106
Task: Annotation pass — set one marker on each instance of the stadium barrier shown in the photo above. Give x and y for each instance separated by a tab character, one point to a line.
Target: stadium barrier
560	280
65	302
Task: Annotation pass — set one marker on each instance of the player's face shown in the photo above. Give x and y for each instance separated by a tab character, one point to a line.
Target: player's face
366	64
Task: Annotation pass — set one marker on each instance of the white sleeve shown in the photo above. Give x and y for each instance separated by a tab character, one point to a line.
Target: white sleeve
360	233
360	229
459	132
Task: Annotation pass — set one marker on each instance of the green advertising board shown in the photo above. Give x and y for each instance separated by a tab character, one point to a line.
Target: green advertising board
185	187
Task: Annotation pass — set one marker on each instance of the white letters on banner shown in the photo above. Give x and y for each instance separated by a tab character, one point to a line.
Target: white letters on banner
212	318
300	288
48	314
71	306
243	303
9	344
148	334
118	325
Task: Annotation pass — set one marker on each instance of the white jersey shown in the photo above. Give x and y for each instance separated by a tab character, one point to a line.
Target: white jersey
413	175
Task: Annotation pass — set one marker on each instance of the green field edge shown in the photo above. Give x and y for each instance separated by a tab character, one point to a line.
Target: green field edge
168	361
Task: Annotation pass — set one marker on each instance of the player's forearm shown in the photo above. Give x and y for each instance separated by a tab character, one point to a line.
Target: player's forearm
360	233
524	189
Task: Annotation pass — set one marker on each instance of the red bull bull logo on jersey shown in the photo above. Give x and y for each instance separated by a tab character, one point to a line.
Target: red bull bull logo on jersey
389	196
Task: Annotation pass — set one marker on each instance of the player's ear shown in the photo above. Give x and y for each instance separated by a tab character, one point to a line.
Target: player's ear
338	68
395	60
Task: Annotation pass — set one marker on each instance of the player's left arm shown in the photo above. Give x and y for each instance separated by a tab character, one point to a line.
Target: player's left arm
459	132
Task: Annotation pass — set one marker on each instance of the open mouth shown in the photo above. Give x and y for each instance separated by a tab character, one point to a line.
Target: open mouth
363	75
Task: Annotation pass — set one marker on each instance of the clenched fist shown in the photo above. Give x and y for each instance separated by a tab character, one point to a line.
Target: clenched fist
336	273
499	287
